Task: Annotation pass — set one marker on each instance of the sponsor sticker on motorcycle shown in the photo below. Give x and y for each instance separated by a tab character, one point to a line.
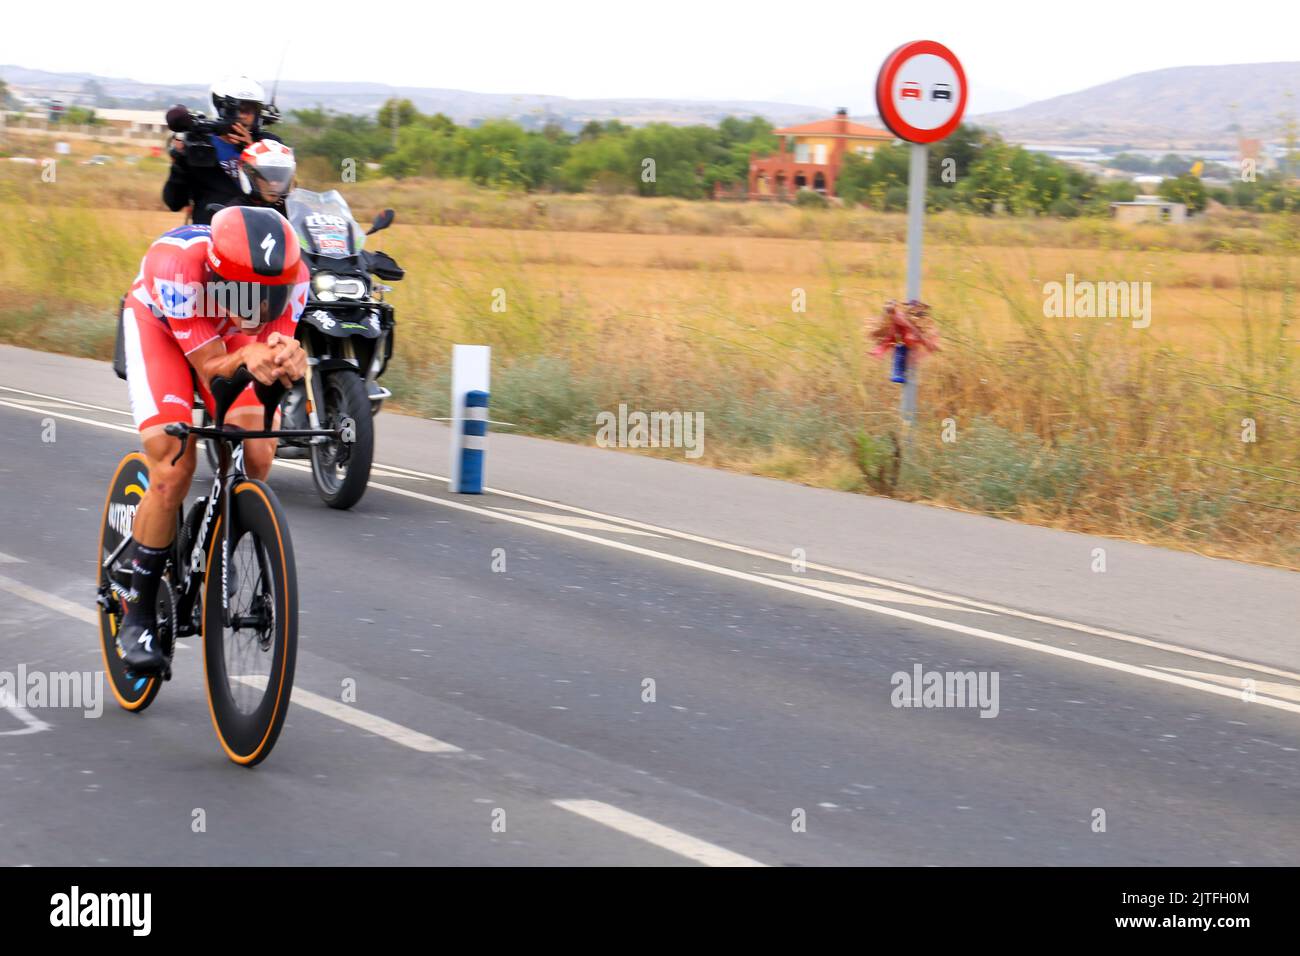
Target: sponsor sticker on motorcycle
329	233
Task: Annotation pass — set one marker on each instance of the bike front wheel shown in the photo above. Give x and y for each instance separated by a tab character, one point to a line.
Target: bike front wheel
250	640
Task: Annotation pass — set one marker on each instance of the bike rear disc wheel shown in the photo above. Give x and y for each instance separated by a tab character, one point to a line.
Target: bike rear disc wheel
249	665
125	491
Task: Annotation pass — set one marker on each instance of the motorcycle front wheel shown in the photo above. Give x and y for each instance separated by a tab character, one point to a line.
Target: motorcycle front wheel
341	470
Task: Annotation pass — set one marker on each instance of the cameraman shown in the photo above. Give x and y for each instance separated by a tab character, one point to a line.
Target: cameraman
208	178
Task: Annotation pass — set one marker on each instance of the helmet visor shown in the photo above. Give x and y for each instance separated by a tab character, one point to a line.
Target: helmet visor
270	182
273	299
253	304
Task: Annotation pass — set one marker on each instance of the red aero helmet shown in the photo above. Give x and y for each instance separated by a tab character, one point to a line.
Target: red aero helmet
257	246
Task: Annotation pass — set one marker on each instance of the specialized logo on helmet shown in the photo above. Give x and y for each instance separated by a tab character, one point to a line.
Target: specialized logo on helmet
268	244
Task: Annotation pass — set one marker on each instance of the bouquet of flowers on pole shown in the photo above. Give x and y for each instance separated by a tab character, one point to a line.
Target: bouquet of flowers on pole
904	326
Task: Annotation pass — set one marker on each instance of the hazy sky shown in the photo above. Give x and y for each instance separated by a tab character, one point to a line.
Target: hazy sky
821	53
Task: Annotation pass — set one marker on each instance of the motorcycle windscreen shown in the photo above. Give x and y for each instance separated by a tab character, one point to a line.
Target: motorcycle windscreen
324	223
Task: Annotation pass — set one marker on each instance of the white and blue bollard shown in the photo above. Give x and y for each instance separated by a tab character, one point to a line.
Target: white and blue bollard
473	443
471	369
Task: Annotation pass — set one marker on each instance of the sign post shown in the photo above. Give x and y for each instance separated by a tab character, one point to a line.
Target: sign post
920	97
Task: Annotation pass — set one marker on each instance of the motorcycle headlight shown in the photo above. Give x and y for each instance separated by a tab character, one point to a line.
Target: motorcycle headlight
330	288
322	283
350	289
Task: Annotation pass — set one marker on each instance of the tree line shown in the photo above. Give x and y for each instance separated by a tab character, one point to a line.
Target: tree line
973	170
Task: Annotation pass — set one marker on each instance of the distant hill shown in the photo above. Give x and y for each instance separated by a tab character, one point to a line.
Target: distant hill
465	107
1186	107
1182	107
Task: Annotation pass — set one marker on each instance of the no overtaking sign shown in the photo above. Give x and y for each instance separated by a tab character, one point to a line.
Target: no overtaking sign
921	92
920	96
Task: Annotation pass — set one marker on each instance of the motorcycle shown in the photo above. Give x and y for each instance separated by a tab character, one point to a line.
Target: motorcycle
347	331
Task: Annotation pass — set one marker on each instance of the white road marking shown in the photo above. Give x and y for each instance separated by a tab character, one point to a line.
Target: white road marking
10	559
811	565
666	838
71	418
331	708
31	725
51	601
42	403
873	594
67	401
1272	688
1036	647
370	723
883	582
573	521
1132	669
389	473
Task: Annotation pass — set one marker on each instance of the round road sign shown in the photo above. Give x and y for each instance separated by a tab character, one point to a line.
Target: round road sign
921	92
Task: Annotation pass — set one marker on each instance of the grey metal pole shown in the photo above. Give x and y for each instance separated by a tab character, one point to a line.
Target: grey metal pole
915	228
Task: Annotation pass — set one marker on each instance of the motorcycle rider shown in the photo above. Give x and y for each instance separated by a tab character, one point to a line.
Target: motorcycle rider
237	100
207	299
266	175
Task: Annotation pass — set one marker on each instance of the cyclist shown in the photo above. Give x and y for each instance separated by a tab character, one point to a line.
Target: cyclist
207	300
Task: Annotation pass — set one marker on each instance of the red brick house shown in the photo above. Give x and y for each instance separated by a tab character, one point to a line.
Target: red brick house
810	156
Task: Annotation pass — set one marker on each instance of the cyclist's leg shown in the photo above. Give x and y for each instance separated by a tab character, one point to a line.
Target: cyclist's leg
246	413
161	392
259	453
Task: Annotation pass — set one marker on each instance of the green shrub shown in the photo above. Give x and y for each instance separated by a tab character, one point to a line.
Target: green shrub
810	198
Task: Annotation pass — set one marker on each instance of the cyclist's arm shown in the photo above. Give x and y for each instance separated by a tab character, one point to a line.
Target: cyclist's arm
212	360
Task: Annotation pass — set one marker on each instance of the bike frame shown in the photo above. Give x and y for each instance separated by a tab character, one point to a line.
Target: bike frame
190	568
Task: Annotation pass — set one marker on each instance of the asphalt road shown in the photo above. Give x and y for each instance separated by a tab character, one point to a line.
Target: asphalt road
501	716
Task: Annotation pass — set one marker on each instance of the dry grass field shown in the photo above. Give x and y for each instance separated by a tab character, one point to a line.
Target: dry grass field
590	301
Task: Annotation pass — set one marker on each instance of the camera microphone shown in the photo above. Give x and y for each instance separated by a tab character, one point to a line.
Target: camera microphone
179	119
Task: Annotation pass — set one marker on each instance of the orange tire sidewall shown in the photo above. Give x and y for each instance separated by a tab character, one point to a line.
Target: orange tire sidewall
140	701
241	488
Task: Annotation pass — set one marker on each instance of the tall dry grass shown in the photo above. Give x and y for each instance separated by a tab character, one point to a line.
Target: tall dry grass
1087	424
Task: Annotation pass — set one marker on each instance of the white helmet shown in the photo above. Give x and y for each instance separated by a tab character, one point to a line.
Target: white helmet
266	170
228	93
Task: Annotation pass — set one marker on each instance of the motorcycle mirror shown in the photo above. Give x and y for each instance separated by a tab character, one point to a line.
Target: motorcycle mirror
382	221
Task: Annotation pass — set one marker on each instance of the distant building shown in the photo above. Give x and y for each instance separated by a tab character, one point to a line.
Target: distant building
811	156
109	123
1149	209
133	122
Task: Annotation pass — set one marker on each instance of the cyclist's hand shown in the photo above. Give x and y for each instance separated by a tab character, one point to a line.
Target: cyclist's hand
260	359
289	356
